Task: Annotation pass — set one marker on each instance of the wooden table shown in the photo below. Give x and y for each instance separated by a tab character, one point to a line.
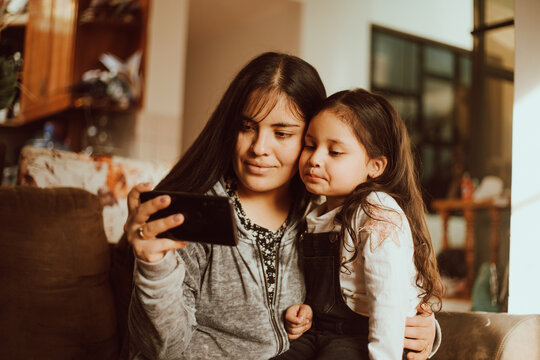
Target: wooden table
469	209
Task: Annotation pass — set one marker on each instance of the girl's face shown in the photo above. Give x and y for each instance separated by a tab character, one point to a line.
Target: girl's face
333	161
267	147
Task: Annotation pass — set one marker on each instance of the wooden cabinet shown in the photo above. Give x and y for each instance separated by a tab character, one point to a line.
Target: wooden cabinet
59	42
58	48
48	58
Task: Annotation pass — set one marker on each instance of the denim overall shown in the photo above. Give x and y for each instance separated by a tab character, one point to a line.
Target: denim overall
337	332
321	254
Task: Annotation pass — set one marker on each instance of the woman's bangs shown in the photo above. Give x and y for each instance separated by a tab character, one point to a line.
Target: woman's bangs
262	101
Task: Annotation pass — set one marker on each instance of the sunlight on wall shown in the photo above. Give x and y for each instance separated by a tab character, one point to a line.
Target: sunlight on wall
524	291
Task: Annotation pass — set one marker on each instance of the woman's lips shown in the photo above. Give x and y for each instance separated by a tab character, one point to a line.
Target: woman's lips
257	168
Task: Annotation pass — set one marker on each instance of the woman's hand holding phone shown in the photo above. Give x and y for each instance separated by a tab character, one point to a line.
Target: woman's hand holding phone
142	234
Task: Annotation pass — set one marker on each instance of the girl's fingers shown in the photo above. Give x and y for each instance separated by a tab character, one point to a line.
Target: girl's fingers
291	314
296	332
305	312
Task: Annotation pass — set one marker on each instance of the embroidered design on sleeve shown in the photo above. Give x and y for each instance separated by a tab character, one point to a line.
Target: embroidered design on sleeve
382	226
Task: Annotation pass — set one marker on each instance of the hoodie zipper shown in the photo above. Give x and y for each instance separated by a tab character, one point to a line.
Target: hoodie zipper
271	304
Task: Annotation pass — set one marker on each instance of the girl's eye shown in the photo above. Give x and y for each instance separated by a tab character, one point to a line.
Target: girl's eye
335	153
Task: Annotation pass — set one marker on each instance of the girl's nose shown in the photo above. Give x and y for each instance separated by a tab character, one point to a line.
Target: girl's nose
315	159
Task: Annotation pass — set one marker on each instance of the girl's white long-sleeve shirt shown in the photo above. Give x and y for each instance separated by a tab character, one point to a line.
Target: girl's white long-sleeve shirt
381	282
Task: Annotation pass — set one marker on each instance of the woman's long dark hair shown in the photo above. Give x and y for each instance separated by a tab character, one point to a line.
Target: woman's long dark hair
266	76
378	126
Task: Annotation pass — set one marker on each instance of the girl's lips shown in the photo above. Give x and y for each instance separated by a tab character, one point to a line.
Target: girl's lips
308	176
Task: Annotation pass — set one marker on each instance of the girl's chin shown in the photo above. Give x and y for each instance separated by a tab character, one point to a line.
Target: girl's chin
316	190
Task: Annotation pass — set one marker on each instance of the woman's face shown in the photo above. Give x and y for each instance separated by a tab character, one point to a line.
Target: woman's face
268	147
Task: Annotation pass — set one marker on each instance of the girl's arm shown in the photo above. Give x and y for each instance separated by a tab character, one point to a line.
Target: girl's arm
162	311
389	279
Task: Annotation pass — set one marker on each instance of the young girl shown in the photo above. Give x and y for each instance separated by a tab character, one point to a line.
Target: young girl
367	253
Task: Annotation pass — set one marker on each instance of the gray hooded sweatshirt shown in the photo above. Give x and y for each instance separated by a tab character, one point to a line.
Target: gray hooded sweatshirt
210	301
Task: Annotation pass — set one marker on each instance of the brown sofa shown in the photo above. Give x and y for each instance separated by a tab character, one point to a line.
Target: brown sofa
65	290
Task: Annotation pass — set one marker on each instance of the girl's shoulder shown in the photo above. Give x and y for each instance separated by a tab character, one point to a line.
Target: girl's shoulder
383	201
383	209
386	220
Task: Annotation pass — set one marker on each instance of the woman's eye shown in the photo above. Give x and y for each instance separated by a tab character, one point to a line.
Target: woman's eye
247	127
309	146
283	135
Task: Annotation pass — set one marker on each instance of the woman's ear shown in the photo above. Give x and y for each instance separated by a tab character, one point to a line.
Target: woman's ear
376	166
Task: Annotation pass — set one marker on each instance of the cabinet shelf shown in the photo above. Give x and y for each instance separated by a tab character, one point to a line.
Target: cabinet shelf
113	22
85	102
16	20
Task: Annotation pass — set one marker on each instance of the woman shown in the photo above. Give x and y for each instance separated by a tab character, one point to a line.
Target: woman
204	301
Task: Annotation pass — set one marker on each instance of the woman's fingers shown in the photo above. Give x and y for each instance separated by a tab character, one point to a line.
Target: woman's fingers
149	230
153	228
143	212
421	350
419	335
133	195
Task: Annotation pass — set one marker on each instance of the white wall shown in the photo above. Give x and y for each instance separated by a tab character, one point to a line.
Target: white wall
235	32
524	291
159	124
336	34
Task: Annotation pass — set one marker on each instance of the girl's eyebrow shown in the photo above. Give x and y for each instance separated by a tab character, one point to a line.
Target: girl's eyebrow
332	141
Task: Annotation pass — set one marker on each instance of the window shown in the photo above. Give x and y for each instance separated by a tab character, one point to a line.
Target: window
429	85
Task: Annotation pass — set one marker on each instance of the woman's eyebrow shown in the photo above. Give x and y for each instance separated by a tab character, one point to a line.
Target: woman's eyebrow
282	125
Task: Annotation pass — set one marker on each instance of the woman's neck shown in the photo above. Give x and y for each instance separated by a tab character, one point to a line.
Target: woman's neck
268	209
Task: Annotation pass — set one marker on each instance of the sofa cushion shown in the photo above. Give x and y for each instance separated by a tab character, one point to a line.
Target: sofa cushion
56	296
488	336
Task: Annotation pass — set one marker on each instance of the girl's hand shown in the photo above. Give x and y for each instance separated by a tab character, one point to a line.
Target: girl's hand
420	333
298	320
141	234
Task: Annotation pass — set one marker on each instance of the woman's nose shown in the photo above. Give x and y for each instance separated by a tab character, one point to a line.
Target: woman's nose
261	144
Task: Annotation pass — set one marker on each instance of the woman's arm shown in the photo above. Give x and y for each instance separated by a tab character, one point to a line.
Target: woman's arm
161	316
162	312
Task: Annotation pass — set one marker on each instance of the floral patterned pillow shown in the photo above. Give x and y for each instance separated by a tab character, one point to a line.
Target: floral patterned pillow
109	177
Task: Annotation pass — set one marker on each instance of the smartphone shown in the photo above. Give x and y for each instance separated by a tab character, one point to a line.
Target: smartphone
208	219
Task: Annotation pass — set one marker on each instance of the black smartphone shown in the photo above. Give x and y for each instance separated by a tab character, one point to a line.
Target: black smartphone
208	219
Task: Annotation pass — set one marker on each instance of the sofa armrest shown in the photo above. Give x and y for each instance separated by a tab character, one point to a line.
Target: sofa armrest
489	336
